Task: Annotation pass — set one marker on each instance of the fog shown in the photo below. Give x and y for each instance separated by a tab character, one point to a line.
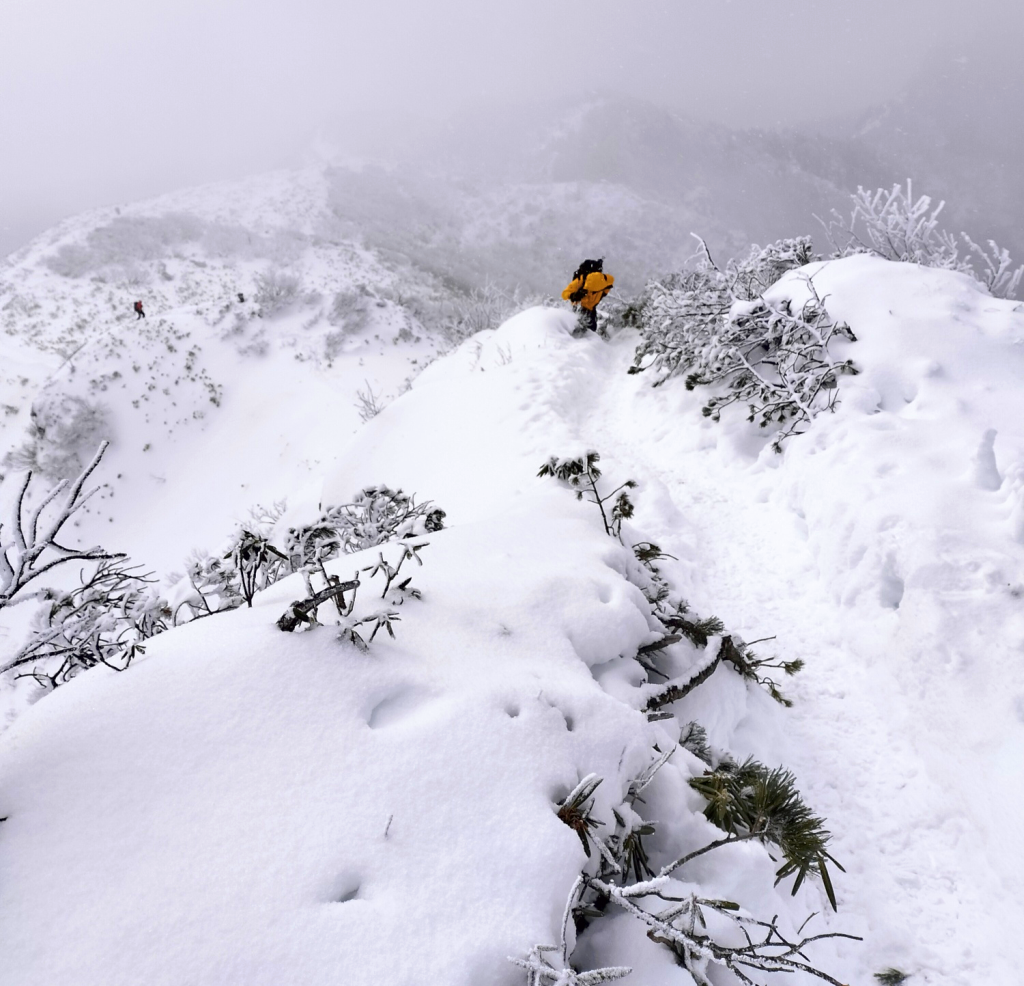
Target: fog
114	100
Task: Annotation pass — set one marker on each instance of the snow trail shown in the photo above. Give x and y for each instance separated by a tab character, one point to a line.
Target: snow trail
921	872
454	741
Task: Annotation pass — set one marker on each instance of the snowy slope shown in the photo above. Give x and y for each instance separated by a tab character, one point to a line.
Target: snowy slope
250	306
243	805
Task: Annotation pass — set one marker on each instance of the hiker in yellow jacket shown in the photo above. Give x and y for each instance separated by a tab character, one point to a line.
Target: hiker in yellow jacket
586	289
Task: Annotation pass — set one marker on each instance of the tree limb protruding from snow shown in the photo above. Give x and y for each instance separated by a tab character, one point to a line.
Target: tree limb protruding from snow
28	542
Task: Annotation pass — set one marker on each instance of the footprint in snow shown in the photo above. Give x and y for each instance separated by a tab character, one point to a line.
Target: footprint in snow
399	706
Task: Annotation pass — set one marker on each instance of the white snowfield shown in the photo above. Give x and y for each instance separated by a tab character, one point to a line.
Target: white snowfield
246	806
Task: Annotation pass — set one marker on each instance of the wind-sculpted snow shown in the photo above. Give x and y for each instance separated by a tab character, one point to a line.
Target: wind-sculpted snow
247	805
287	808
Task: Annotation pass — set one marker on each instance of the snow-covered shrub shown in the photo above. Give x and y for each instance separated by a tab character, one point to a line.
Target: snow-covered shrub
216	586
486	307
891	223
745	802
716	327
125	241
245	564
368	404
302	613
375	515
350	313
350	310
63	431
102	621
276	290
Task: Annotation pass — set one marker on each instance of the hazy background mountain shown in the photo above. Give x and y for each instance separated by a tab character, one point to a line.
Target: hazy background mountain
738	120
515	192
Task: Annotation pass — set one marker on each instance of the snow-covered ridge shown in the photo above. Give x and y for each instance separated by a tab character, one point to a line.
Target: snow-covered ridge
247	300
275	803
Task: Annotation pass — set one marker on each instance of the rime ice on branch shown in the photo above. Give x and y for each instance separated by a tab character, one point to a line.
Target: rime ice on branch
28	550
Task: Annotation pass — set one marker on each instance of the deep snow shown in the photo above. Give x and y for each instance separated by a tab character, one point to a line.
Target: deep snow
246	806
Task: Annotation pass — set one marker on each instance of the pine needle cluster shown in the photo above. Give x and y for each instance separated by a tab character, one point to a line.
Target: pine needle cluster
581	474
750	800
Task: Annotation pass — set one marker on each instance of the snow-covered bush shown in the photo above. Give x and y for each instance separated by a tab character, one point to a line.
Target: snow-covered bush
250	560
744	802
716	327
350	310
276	290
102	621
375	515
466	313
302	613
126	240
63	431
893	224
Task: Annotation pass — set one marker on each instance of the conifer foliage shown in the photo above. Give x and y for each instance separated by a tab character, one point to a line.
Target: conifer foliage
746	802
581	474
752	801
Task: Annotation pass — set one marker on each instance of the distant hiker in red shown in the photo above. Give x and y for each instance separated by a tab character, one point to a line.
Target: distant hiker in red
139	313
586	289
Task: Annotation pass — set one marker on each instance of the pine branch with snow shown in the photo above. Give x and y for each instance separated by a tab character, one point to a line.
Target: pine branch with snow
752	801
581	474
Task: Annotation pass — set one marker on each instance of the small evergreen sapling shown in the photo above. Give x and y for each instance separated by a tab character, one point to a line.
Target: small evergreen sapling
581	475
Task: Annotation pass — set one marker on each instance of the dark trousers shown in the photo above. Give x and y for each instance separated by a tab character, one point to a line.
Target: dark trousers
139	314
587	320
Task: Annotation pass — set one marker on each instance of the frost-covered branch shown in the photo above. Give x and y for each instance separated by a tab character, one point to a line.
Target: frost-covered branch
891	223
716	327
28	552
103	621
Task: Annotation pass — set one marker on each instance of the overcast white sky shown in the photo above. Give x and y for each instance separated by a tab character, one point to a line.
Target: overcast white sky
113	100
